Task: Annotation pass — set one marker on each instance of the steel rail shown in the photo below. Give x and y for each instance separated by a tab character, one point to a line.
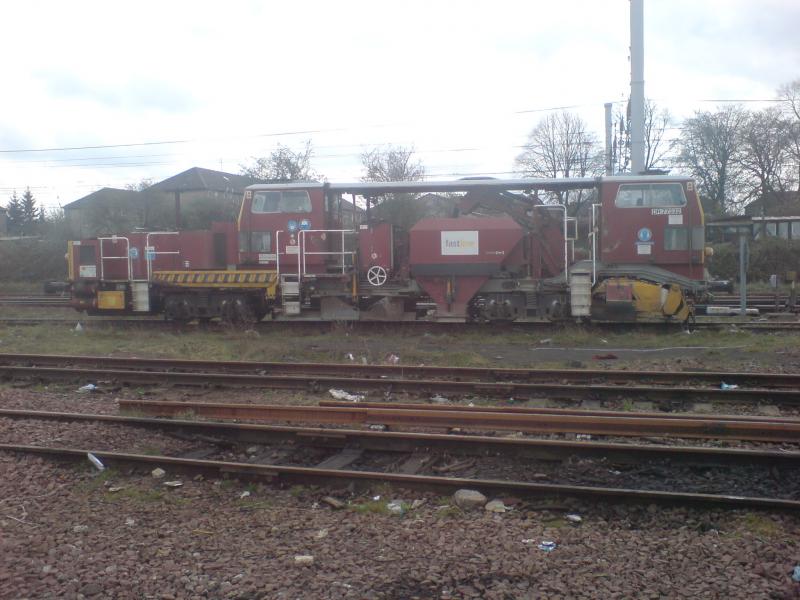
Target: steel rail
491	374
533	410
318	382
487	421
272	473
396	441
522	326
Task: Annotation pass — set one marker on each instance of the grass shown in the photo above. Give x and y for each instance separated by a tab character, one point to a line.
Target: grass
473	347
761	525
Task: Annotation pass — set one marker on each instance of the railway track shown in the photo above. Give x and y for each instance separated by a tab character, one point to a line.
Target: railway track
712	323
475	419
31	300
425	380
411	445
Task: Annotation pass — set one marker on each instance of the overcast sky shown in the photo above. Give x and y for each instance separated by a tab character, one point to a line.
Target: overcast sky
228	81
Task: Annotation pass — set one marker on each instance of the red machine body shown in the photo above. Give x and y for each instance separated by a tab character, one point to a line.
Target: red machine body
301	248
452	258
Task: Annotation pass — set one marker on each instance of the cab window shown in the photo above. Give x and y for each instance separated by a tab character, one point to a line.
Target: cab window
255	241
633	195
86	255
287	201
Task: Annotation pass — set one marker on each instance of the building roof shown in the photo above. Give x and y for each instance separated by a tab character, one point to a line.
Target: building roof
777	204
107	197
199	179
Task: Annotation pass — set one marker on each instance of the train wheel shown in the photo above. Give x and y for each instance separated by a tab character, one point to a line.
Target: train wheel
177	309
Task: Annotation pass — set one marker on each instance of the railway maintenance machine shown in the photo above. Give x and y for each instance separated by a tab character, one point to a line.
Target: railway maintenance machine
508	251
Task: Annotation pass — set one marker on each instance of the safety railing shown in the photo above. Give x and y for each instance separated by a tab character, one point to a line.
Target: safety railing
304	252
114	239
150	252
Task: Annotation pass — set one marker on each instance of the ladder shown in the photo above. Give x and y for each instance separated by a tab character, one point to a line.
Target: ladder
290	294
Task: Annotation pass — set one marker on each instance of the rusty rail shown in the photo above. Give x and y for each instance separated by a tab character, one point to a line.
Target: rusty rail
490	374
449	484
486	421
395	441
318	382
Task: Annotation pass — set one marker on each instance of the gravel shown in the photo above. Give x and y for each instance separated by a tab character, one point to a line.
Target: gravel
63	532
123	534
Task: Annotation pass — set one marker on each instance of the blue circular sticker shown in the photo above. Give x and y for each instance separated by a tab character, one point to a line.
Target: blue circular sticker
292	225
305	224
645	235
133	253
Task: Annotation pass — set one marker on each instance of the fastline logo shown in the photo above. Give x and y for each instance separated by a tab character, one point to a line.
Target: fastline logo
460	243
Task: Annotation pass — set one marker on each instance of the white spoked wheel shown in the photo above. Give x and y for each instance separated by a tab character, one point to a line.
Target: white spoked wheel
376	276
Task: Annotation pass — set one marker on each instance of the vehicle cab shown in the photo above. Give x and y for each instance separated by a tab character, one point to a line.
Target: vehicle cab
655	221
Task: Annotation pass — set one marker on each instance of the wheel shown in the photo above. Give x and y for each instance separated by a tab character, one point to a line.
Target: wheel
377	276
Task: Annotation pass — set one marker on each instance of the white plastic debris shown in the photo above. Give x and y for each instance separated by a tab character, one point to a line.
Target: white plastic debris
546	341
392	359
244	494
573	518
376	498
342	395
395	507
304	559
728	386
378	427
115	488
437	399
130	522
322	533
173	484
528	540
350	356
796	574
583	436
95	461
78	327
89	387
158	473
547	546
495	506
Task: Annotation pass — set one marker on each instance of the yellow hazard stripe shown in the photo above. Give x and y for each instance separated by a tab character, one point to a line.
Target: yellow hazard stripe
220	279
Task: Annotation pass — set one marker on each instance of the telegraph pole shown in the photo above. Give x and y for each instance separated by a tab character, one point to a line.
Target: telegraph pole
609	152
637	86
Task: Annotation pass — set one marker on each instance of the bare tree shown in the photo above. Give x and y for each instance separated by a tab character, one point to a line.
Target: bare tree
561	146
139	186
395	163
708	149
391	163
283	165
764	154
789	95
657	149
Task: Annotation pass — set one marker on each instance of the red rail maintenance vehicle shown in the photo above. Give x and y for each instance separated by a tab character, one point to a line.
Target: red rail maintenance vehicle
306	251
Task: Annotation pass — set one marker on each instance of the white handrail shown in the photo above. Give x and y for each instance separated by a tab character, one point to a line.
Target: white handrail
302	247
115	238
155	253
594	243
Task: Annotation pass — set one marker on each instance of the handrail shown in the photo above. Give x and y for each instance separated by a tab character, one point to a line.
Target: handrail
115	238
594	243
147	258
302	243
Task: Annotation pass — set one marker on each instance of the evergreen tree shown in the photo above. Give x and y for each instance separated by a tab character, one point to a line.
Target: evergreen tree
14	214
30	213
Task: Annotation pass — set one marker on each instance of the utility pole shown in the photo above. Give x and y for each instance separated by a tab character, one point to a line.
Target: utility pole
609	151
637	86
